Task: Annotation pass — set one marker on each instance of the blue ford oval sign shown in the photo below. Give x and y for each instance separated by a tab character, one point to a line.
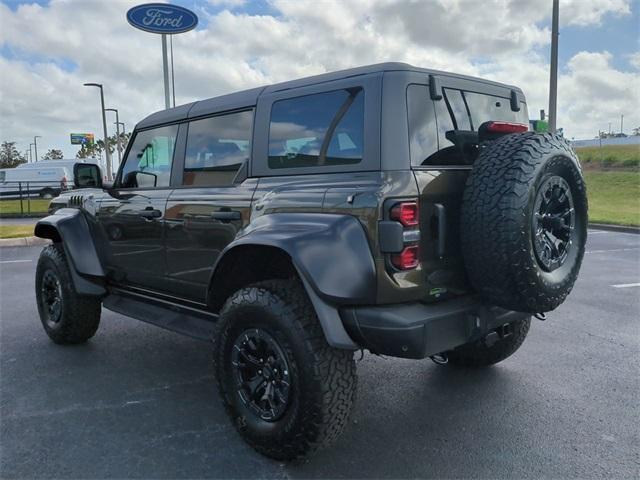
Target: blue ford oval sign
162	18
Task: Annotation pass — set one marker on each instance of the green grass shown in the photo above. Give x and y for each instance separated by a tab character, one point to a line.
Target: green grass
614	197
610	156
16	231
13	206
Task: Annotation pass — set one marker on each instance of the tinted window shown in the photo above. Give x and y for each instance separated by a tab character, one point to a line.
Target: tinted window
317	130
2	176
486	107
423	129
457	108
216	148
148	163
429	123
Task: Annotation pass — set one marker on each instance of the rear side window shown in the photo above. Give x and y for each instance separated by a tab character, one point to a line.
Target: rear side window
216	148
484	108
149	161
316	130
3	175
457	109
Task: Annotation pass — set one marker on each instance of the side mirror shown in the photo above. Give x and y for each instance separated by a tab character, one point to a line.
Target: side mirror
87	175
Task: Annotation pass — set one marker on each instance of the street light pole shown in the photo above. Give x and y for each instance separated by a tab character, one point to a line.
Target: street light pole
30	153
621	123
35	145
553	77
117	134
107	153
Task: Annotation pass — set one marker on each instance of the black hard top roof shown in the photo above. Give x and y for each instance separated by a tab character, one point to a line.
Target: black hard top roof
249	98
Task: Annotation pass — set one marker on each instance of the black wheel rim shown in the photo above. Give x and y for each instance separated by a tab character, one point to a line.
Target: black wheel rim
262	375
553	223
51	294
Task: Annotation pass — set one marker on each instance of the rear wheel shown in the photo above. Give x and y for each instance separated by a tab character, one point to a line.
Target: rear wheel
492	349
67	317
47	193
286	390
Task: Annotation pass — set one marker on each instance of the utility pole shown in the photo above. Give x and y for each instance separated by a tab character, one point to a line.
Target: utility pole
553	78
35	145
609	128
30	153
117	134
107	153
621	123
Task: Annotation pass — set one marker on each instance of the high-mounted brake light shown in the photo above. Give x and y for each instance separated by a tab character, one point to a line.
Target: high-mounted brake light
406	213
506	127
407	259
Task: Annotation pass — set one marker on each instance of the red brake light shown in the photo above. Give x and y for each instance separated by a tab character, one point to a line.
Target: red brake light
407	259
406	213
506	127
63	182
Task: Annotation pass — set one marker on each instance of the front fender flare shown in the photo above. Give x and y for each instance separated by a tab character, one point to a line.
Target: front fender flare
69	227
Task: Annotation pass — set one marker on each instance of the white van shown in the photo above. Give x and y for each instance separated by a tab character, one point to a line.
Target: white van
43	182
67	163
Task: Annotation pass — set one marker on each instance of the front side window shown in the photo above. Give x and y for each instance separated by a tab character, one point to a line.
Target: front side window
317	130
148	163
216	149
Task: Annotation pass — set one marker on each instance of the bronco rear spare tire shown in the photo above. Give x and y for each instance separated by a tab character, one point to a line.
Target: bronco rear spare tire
524	221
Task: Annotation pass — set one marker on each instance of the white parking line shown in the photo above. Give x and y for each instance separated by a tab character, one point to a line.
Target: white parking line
15	261
613	250
626	285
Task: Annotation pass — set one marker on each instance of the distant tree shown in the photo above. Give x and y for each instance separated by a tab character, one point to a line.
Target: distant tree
9	155
53	154
636	132
89	150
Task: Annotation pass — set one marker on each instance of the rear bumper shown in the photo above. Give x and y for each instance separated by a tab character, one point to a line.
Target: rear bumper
418	330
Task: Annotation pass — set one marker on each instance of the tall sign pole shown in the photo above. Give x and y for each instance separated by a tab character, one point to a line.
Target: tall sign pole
553	79
164	19
165	72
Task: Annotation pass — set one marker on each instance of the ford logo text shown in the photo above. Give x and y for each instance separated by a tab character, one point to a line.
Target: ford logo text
162	18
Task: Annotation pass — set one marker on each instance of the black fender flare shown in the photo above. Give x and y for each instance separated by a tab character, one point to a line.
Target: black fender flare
332	256
69	227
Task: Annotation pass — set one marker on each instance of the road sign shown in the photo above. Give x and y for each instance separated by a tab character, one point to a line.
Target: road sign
162	18
82	139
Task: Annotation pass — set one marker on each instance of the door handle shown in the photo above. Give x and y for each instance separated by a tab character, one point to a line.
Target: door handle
150	213
227	216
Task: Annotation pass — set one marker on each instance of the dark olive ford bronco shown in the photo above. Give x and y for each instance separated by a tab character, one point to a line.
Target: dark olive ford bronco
390	208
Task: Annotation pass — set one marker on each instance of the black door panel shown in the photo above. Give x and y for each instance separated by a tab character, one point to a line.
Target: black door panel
133	223
200	223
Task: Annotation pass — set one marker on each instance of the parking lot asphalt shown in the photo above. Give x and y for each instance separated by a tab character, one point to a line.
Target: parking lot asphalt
139	402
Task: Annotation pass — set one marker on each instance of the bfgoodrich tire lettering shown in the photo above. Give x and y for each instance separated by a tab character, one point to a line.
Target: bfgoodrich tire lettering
322	380
503	216
67	317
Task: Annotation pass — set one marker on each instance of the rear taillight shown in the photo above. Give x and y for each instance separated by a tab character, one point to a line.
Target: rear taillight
407	259
406	213
63	182
506	127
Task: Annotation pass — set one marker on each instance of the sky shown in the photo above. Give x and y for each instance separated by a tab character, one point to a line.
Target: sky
49	48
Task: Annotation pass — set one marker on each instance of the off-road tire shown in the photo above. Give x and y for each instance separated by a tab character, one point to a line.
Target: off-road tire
79	316
323	379
498	211
478	354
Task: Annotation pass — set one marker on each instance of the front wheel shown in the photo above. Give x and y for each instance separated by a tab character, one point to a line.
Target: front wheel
66	316
286	390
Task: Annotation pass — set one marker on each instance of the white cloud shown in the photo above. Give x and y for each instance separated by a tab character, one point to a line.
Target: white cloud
236	51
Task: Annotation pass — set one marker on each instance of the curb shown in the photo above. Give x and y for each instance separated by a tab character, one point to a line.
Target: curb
23	242
615	228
